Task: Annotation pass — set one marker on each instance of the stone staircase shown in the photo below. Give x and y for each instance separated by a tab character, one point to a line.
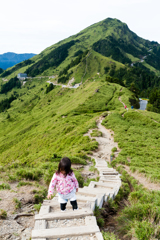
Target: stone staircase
80	224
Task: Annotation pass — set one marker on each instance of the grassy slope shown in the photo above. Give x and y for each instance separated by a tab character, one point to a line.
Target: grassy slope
94	63
36	129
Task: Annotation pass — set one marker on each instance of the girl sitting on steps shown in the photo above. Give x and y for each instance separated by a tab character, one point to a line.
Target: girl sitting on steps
66	184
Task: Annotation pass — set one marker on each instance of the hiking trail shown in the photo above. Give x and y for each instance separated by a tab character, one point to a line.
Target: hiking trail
51	223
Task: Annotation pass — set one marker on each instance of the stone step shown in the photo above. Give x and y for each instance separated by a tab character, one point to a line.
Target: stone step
99	196
101	161
108	178
112	190
107	193
92	201
101	165
40	239
107	185
40	224
44	209
110	181
114	177
65	215
106	170
104	173
103	168
65	232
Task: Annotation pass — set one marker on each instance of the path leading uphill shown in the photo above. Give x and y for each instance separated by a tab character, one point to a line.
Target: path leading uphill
52	224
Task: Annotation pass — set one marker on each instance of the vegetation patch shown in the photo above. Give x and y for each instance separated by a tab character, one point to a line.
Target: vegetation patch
17	203
3	214
96	133
4	186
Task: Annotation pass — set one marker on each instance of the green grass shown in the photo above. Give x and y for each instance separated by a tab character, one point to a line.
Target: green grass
17	203
96	133
4	186
133	59
140	217
3	214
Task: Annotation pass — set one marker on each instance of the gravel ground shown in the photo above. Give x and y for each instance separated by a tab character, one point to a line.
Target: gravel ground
66	223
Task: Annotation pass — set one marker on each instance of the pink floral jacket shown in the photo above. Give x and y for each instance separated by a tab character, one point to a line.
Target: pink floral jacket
64	185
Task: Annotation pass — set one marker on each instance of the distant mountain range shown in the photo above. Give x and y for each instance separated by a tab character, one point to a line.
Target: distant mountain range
10	59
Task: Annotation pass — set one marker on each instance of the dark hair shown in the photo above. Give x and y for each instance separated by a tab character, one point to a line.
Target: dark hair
65	165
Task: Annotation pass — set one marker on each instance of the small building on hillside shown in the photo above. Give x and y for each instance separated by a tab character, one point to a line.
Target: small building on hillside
22	76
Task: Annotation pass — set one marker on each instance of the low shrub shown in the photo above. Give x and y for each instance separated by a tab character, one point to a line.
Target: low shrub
79	178
109	236
32	174
17	203
37	207
99	217
3	214
12	178
20	184
4	186
87	182
40	195
114	149
144	230
96	133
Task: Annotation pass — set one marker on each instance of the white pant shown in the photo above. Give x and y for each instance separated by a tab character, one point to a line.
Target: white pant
70	196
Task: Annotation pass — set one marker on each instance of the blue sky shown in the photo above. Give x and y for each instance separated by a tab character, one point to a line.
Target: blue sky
30	26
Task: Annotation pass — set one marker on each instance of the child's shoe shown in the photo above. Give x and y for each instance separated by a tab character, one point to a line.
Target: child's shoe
63	210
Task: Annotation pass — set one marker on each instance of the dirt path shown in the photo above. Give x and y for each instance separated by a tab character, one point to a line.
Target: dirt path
106	142
143	180
121	101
